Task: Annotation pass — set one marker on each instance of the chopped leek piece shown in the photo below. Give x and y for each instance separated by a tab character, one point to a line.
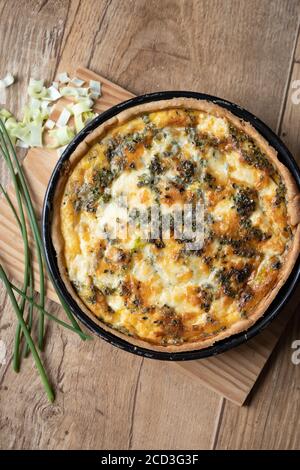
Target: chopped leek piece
49	124
52	94
74	92
77	81
63	118
95	87
94	96
79	124
7	81
82	106
69	91
35	134
83	119
63	77
61	136
83	92
36	89
34	103
21	144
36	114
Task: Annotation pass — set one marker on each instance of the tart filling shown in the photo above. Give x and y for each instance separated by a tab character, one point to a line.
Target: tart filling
152	281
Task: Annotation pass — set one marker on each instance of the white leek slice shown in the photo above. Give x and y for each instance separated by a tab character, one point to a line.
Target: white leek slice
88	116
55	84
34	103
7	81
35	135
52	94
74	92
79	124
94	96
63	77
83	92
19	131
46	107
63	118
10	123
49	124
77	81
61	136
95	87
69	91
36	89
21	144
30	114
82	106
81	120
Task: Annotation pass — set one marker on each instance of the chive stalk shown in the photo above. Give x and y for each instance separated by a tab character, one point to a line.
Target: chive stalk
5	153
27	335
48	314
41	270
30	312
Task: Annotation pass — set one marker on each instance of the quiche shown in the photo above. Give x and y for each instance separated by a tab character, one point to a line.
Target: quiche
162	157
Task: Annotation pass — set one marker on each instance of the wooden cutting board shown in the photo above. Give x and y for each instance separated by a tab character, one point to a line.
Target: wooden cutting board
231	374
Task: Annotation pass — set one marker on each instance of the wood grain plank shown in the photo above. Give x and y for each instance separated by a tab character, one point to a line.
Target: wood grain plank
166	403
297	51
32	37
235	372
94	402
80	40
290	129
270	421
216	47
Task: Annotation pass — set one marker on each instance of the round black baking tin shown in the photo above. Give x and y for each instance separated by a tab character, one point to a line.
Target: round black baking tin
283	295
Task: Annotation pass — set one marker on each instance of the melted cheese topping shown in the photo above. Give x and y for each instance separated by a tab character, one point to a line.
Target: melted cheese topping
158	290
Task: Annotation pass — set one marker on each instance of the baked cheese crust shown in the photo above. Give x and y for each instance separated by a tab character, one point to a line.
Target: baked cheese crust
156	292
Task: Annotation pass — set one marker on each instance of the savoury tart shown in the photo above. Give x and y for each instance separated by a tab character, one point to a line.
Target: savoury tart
155	292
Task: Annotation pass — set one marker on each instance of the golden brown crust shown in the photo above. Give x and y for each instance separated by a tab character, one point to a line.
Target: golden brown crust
293	208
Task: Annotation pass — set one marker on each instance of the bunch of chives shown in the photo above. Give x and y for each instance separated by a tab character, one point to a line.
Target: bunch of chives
25	209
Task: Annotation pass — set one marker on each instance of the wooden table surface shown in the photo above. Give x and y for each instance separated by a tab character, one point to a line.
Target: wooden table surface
246	51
